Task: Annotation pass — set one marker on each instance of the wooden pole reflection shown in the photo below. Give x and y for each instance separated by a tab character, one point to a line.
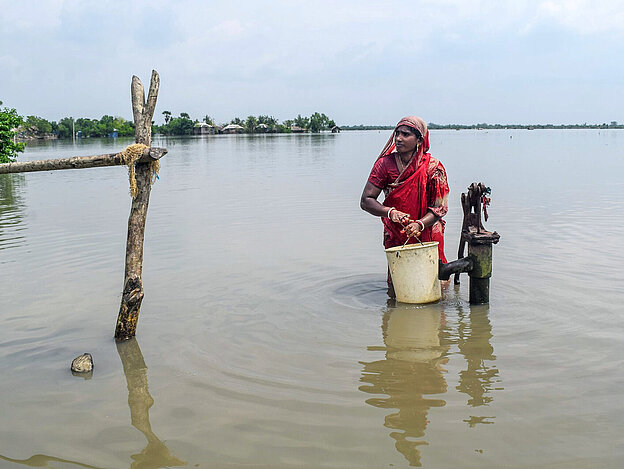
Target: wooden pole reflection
156	454
41	460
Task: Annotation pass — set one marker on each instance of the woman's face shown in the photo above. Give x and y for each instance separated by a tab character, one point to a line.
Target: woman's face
405	139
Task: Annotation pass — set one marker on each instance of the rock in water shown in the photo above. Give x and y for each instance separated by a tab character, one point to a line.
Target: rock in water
83	363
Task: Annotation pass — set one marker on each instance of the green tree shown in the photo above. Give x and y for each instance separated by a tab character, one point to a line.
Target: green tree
208	120
180	126
124	127
269	121
251	123
103	127
167	115
65	127
303	122
319	122
88	127
9	121
39	124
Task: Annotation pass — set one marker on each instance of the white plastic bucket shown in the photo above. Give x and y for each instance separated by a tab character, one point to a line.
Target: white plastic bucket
414	272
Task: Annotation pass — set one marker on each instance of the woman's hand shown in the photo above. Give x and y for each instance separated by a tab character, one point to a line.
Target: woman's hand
399	217
414	229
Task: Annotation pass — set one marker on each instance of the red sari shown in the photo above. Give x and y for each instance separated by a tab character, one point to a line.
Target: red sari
422	187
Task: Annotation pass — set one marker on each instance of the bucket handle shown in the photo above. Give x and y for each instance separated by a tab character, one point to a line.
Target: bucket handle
405	243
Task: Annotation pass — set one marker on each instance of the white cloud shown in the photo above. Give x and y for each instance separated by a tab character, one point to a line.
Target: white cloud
586	17
27	16
228	58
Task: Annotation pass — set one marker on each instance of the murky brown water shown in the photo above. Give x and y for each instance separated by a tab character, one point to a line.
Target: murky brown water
266	338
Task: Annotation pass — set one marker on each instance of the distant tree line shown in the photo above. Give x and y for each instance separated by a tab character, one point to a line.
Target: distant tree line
14	127
184	125
611	125
38	127
35	127
431	125
367	127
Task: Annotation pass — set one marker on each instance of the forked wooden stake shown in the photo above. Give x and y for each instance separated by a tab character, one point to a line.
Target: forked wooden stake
132	294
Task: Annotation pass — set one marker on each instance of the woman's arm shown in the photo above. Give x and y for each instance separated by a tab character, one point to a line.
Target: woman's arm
369	202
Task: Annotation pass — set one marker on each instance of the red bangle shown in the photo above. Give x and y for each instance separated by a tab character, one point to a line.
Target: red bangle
388	213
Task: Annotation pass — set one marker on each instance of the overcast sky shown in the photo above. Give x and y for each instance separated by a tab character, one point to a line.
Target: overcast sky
358	61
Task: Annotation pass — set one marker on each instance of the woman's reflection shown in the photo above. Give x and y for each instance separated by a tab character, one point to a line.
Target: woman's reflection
156	454
416	347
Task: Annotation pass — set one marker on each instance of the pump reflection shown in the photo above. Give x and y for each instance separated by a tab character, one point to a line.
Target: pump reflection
416	349
156	454
481	376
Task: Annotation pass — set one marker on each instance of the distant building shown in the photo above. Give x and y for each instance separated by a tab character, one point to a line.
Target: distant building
201	128
335	129
262	128
233	129
296	130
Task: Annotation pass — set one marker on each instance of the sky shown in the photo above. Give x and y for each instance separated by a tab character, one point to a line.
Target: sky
358	61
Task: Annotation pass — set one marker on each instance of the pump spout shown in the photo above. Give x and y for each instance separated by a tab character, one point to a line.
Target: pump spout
465	264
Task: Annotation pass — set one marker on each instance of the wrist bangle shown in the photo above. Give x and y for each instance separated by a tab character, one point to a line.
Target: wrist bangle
422	223
388	212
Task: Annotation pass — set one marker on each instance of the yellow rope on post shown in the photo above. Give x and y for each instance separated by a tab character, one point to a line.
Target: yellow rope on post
130	156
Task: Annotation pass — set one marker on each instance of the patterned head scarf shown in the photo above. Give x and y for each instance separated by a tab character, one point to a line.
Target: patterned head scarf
415	123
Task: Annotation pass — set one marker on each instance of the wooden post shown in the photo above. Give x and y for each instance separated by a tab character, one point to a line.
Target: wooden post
132	294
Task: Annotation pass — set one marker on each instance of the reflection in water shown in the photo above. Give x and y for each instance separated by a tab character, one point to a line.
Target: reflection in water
415	350
11	208
41	460
156	454
479	378
417	342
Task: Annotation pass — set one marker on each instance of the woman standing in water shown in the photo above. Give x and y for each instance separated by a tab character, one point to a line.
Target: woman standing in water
415	188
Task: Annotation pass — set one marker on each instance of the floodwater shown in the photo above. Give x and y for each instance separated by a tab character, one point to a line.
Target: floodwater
266	338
